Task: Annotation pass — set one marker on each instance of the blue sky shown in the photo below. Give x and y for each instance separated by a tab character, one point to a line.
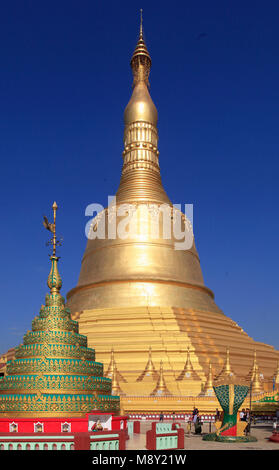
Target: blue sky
64	83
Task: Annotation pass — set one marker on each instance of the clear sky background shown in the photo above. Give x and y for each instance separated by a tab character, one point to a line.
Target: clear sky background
65	80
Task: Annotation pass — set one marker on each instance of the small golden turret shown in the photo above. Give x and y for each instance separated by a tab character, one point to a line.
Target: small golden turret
112	366
149	370
226	373
251	374
115	387
161	388
254	377
208	387
188	371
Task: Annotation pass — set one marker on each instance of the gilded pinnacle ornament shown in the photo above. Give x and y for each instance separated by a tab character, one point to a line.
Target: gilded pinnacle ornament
52	228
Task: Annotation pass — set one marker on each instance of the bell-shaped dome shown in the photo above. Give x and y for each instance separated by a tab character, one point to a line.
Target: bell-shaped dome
140	106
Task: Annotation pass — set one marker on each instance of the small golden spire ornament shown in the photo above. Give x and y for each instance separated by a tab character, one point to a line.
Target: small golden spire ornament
188	371
255	377
208	388
149	370
115	387
161	388
252	372
112	366
226	373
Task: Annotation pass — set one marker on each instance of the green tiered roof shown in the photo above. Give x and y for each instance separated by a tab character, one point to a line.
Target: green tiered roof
54	373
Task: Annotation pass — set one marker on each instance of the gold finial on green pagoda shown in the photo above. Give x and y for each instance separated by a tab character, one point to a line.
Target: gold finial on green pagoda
52	228
54	280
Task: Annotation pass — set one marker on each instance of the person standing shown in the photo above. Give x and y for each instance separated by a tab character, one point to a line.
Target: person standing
247	415
161	417
189	426
198	424
241	415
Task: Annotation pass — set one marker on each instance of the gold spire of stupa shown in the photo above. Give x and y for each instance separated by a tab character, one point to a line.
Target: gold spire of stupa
140	179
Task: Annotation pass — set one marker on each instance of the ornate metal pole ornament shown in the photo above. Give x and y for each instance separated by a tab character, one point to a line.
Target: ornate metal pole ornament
54	281
52	228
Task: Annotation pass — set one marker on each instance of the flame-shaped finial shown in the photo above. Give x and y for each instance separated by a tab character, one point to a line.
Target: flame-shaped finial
141	60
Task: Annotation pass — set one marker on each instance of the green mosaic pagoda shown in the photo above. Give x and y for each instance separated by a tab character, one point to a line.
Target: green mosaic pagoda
54	373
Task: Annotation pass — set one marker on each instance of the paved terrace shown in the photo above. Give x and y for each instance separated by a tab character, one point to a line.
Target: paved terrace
194	442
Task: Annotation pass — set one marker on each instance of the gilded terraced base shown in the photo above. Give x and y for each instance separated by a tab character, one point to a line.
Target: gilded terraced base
170	331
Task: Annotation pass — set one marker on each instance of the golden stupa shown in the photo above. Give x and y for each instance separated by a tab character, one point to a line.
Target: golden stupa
138	293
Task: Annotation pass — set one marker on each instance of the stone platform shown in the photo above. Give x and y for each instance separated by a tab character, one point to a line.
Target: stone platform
194	442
